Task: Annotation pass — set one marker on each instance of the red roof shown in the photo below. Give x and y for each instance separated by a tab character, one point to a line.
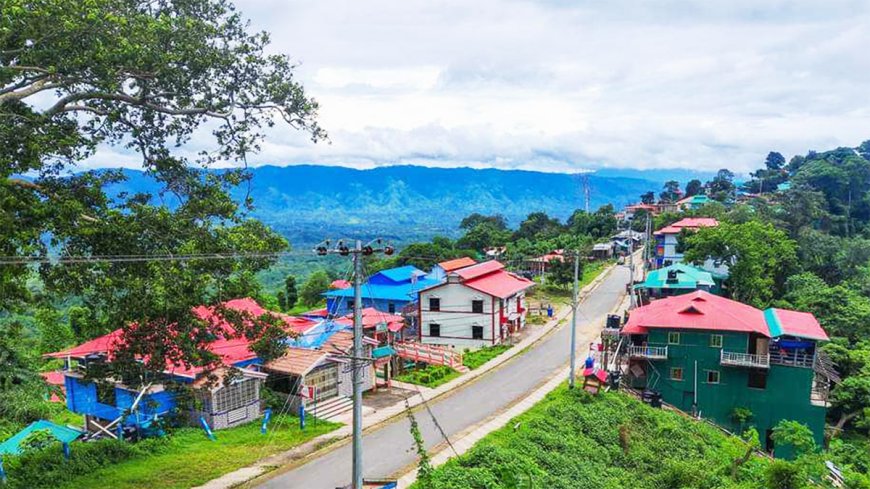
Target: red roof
689	223
231	351
800	324
699	310
451	265
340	284
499	283
479	269
371	317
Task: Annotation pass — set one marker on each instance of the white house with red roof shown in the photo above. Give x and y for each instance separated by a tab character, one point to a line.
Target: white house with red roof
668	252
476	306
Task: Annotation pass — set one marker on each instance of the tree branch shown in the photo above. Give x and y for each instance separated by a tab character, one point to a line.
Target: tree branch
36	87
17	182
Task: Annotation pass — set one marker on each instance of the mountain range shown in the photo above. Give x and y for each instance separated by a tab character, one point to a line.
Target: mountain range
407	203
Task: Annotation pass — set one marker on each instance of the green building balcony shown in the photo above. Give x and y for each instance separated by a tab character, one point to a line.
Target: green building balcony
793	359
751	360
648	352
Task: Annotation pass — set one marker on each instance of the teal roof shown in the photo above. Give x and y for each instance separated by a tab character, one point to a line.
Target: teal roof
688	277
383	351
62	433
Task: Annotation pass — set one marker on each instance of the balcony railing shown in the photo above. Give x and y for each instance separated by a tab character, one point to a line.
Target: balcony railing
793	359
648	352
745	359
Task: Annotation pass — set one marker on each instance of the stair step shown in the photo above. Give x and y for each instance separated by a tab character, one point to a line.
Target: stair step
332	408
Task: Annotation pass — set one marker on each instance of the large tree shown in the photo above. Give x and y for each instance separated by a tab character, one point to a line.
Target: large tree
759	256
144	76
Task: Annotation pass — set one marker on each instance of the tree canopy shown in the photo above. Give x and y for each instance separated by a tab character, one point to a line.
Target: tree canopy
146	77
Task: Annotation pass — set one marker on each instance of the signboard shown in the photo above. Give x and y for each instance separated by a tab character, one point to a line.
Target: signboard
307	391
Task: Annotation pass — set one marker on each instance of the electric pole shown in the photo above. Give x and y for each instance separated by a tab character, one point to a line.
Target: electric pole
357	361
575	303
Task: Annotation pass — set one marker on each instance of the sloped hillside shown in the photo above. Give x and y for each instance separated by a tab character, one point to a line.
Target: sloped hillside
574	440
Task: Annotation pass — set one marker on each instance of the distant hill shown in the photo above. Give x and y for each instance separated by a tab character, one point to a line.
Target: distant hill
307	202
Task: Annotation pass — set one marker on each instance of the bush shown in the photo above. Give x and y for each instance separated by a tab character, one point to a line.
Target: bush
782	474
48	468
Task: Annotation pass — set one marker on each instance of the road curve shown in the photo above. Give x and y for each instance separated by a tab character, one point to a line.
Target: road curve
388	449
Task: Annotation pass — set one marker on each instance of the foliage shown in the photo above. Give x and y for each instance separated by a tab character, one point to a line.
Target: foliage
476	358
694	187
722	187
760	258
38	440
54	333
424	465
185	459
146	76
429	376
561	272
311	291
572	436
538	225
782	474
794	434
841	310
475	219
291	296
671	191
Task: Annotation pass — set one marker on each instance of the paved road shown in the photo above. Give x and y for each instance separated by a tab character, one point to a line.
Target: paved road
386	450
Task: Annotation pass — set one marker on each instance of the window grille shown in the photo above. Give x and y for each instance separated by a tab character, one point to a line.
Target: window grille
235	395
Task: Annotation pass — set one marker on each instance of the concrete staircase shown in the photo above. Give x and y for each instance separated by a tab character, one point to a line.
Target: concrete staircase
332	409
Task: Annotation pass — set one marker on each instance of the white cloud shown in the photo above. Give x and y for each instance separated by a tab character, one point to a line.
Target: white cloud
564	85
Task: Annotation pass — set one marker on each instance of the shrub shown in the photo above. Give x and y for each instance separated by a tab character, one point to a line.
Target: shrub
782	474
48	468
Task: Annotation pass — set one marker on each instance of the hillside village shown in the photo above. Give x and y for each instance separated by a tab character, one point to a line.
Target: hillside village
709	334
683	342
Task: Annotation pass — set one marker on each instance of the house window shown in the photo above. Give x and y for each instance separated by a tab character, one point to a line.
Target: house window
477	306
434	330
673	338
757	379
434	304
716	340
391	308
477	332
712	376
676	373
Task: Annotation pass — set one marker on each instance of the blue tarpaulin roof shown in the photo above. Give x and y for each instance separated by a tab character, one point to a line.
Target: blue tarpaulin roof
62	433
399	292
317	335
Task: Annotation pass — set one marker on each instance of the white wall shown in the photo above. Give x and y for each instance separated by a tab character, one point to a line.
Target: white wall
456	318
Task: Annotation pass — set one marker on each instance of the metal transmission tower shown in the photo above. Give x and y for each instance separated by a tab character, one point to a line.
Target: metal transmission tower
586	193
357	361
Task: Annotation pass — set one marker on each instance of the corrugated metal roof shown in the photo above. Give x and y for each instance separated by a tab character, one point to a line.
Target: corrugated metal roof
699	310
688	277
783	322
499	283
456	264
479	269
689	223
297	361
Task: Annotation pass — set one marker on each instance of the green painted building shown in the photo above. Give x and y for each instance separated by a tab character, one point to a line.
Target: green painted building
711	356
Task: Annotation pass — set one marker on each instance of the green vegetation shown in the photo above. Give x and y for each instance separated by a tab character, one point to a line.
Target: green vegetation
429	376
476	358
607	441
187	458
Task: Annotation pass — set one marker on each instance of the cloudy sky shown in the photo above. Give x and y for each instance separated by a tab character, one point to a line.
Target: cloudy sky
571	84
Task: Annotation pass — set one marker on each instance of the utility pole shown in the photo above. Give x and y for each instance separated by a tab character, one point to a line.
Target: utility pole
630	267
357	361
574	305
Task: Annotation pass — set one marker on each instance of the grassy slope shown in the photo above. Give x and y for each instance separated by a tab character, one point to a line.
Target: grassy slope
191	459
572	439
